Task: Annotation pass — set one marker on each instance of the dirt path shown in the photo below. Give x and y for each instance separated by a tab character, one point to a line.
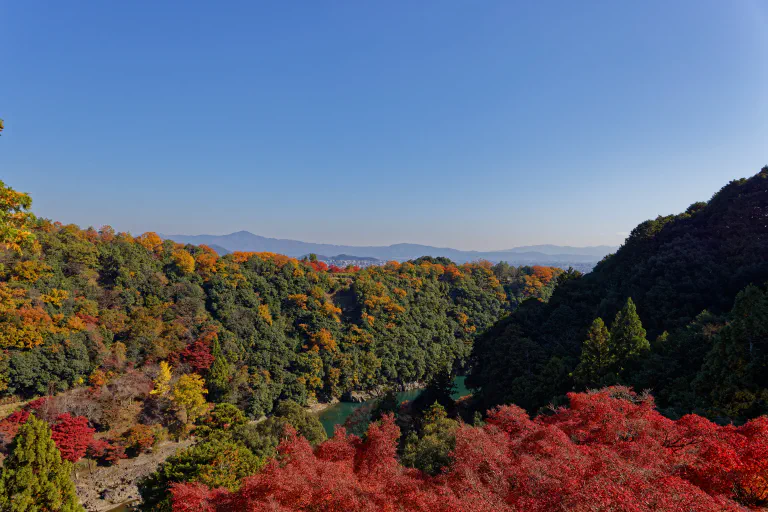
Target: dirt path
104	488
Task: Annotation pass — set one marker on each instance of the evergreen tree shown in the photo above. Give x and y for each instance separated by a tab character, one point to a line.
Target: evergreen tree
34	477
220	373
734	372
440	389
628	339
596	357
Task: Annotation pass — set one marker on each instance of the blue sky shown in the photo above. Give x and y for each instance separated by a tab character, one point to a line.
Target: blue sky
476	125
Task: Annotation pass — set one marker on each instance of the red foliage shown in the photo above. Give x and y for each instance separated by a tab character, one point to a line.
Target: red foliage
10	426
72	436
318	266
105	452
611	450
36	404
198	353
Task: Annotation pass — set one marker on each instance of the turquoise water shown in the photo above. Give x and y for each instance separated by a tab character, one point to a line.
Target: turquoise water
338	413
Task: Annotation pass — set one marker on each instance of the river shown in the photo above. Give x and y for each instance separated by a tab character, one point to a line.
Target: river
338	413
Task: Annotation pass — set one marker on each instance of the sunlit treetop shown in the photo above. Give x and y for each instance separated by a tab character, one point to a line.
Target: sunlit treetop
15	219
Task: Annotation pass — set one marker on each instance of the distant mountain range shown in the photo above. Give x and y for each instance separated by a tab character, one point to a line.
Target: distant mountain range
531	254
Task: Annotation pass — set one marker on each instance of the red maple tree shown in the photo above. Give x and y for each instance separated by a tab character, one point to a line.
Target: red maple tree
610	450
72	435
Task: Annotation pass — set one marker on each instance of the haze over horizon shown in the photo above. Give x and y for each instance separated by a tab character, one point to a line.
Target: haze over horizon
476	249
475	127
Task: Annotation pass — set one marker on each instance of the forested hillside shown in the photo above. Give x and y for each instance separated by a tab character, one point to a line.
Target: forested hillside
680	309
81	306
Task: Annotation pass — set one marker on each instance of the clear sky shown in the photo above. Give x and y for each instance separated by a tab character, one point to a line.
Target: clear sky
476	125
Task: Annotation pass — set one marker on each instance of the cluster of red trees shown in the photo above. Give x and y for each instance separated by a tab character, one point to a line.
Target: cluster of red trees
610	450
72	434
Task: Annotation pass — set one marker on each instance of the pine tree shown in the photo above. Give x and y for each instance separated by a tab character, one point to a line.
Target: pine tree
34	477
596	357
628	339
733	374
219	375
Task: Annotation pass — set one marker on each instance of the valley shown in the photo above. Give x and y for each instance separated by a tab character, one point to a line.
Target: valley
178	377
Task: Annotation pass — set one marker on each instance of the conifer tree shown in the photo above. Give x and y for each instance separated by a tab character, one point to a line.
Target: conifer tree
34	477
220	372
734	373
628	339
596	357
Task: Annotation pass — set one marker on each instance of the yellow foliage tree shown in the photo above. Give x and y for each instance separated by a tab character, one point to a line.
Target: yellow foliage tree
265	314
30	270
184	261
189	394
206	263
330	310
15	220
150	241
163	380
299	299
324	339
56	297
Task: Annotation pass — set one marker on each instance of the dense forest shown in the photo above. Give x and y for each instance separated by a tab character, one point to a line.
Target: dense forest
681	310
82	306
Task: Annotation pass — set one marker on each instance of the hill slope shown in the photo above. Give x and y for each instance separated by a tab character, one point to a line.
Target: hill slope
674	268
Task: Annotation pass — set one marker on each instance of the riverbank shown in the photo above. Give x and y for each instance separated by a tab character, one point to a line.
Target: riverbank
106	488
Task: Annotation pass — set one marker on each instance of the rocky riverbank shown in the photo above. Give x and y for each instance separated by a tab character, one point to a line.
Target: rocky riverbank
103	488
364	396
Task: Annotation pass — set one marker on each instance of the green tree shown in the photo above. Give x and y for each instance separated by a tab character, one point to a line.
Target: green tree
214	462
290	413
440	388
734	372
220	373
431	452
34	478
596	356
628	339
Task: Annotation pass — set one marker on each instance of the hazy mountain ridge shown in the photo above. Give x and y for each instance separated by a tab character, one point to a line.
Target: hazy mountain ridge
538	254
